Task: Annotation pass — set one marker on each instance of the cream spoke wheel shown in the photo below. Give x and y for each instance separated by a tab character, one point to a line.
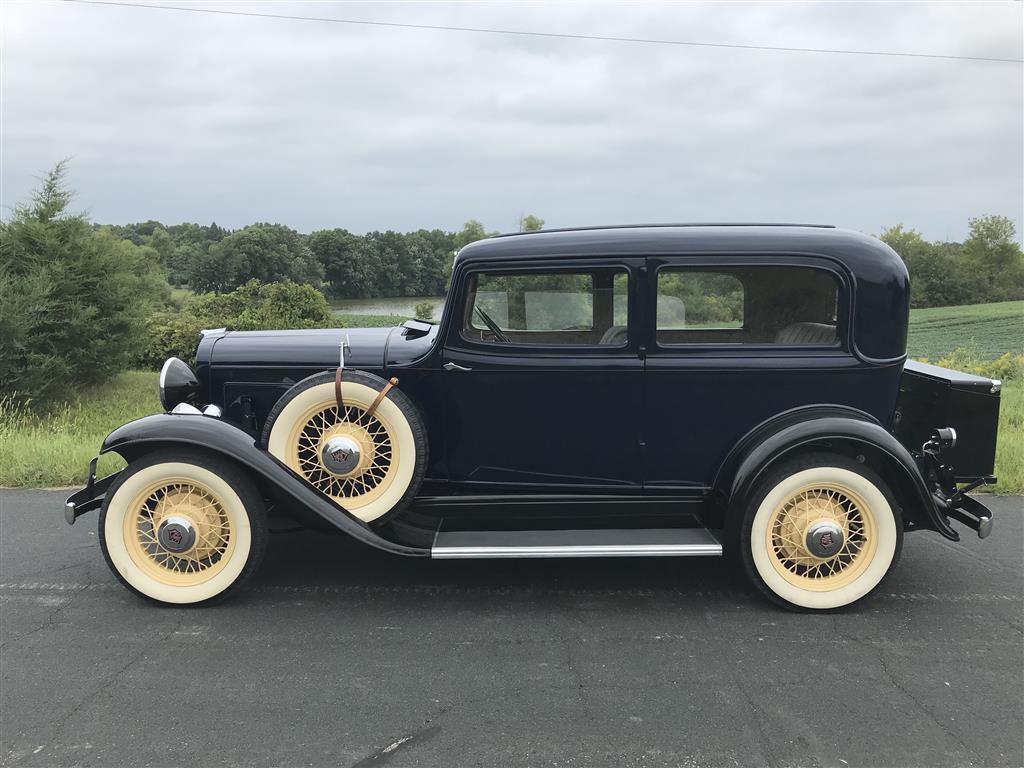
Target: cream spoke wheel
821	537
369	460
822	533
180	532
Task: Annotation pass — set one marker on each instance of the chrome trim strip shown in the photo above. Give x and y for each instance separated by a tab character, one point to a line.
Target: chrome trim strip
583	550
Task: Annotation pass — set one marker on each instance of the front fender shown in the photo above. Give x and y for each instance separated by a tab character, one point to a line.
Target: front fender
208	433
863	435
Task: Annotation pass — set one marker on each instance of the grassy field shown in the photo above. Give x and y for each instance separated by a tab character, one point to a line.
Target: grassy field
988	330
54	450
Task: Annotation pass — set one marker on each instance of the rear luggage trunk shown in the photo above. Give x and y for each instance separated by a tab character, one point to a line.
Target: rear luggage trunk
932	397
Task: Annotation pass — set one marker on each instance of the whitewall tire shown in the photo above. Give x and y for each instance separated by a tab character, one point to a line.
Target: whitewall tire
821	532
382	451
183	528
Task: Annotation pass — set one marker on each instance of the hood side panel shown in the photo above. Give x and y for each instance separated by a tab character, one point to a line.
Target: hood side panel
317	349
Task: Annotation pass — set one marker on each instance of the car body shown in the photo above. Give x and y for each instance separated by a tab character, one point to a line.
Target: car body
607	391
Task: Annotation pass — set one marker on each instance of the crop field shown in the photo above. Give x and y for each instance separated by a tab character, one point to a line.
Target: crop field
988	330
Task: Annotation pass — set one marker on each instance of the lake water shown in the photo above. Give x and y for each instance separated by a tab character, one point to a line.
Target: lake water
401	305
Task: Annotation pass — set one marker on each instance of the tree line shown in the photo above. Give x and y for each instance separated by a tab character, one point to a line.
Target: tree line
211	259
988	266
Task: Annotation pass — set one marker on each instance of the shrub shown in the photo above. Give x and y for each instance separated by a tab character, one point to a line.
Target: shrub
1007	367
75	299
424	310
251	307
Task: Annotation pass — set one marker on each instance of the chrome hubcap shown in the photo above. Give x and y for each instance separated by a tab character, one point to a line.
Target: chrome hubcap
176	534
340	455
824	539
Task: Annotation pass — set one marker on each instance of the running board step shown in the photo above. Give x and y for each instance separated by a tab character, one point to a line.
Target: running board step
614	542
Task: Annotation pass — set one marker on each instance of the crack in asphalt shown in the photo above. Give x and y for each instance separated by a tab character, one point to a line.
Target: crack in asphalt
48	621
108	681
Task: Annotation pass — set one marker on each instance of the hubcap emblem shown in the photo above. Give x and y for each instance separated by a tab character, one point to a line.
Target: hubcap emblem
824	539
340	455
176	534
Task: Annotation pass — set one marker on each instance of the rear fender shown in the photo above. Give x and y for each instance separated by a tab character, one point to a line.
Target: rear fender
834	431
207	433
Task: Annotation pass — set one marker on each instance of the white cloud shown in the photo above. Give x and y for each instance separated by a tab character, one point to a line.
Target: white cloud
192	116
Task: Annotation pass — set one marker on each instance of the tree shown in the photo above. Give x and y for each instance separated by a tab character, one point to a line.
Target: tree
266	252
337	251
471	231
938	276
995	258
75	299
160	241
530	223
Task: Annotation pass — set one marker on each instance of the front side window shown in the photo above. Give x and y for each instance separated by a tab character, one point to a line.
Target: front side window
776	305
547	308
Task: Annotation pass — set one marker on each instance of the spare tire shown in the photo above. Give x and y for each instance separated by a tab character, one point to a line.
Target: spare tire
371	465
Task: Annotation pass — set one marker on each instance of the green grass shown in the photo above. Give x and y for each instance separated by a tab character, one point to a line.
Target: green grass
369	321
988	330
54	449
1010	444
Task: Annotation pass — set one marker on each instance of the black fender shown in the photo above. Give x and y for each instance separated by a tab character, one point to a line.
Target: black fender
828	428
208	433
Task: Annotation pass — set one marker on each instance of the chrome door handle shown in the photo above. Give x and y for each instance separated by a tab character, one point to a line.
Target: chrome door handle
450	366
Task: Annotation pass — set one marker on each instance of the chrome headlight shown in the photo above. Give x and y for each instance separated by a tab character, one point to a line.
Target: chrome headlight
178	383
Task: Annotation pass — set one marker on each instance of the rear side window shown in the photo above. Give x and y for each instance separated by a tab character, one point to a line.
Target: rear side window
785	306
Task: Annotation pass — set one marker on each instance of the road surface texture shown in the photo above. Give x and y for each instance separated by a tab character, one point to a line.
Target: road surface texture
339	656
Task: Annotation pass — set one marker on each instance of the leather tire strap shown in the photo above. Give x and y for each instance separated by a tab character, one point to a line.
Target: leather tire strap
383	393
337	393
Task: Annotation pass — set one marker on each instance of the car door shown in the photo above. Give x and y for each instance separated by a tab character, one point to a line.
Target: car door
738	340
544	377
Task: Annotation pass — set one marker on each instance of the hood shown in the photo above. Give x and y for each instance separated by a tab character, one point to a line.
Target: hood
313	348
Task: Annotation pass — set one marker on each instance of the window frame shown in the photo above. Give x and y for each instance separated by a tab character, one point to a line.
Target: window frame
633	268
716	262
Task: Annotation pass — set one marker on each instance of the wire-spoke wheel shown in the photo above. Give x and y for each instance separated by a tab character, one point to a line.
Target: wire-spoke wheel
821	533
369	463
181	528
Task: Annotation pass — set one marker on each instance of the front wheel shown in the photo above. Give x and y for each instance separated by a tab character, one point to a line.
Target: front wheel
183	528
820	532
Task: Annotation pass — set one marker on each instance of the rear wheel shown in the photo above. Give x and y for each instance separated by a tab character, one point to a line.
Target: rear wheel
370	461
821	532
183	528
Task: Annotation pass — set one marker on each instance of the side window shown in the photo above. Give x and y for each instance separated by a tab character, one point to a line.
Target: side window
785	306
547	308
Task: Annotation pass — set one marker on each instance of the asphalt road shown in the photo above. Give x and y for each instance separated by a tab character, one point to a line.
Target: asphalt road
339	656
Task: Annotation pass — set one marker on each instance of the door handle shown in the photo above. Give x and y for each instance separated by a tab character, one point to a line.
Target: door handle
450	366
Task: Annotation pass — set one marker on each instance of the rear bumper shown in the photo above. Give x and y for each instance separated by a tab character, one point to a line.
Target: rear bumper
89	498
968	511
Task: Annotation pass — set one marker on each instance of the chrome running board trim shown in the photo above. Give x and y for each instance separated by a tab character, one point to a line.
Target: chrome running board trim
646	542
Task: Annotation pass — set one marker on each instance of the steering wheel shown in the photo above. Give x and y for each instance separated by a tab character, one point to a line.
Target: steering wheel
492	326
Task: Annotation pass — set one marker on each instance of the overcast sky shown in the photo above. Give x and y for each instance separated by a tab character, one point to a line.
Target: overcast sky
198	117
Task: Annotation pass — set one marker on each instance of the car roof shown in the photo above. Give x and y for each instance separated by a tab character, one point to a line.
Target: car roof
880	286
856	250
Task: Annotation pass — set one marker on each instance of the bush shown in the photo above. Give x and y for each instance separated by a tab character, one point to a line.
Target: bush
1007	367
252	307
75	299
424	310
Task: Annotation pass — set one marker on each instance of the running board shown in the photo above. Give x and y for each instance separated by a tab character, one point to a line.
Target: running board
614	542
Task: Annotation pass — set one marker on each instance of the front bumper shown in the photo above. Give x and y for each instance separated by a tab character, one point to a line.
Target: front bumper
89	498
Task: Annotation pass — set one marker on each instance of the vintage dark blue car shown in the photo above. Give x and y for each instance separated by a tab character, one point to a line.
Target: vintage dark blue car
620	391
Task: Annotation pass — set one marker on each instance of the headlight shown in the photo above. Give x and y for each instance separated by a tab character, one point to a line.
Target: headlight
178	383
